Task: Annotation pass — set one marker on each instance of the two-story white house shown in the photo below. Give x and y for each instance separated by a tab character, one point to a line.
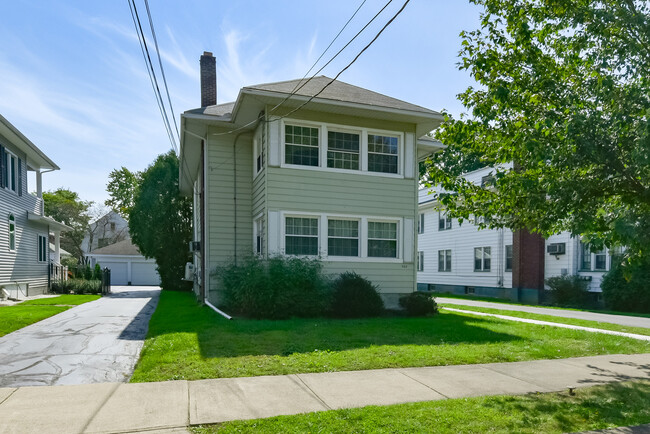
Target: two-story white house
24	229
335	178
459	258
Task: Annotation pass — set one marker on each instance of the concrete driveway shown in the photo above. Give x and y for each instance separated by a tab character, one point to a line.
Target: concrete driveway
624	320
96	342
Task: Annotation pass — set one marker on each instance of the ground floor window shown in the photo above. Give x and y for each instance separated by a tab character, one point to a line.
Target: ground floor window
482	258
382	239
420	261
301	236
509	258
259	236
342	237
444	260
12	232
42	248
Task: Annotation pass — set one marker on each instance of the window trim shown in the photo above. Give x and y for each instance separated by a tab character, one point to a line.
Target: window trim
10	172
505	258
327	219
420	263
319	230
443	217
324	127
421	223
12	232
446	253
256	232
42	248
397	239
482	269
326	145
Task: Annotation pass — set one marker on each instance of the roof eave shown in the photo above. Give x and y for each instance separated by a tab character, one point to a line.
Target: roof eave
34	154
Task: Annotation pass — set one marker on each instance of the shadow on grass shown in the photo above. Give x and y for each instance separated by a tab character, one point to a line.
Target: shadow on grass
218	337
638	372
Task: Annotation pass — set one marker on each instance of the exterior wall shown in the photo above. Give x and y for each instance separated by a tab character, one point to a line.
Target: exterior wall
130	261
20	271
102	229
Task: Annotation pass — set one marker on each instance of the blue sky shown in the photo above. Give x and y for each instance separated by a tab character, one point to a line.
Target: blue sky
73	80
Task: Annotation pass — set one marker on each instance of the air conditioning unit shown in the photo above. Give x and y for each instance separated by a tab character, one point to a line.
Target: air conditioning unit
556	248
189	272
195	246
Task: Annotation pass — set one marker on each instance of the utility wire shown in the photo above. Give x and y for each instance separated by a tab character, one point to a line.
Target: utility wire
162	70
152	74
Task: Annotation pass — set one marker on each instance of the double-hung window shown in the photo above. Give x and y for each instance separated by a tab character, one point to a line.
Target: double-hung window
382	239
342	237
585	257
343	150
42	248
509	257
301	145
420	260
421	223
600	263
12	232
444	260
10	175
301	236
383	153
259	236
444	221
482	258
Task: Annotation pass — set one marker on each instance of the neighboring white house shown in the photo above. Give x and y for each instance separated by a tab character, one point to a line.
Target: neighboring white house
461	259
106	230
127	265
25	257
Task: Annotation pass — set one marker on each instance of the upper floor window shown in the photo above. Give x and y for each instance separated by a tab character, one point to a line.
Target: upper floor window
301	145
382	153
42	248
509	257
11	172
12	232
342	237
482	258
421	223
585	257
342	150
382	239
301	236
444	221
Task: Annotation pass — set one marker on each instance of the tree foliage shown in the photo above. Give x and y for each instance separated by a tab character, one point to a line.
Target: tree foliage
160	221
66	207
122	188
564	94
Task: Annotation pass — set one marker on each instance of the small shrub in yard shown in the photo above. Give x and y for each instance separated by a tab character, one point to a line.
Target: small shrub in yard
419	304
277	288
568	291
626	287
77	286
355	297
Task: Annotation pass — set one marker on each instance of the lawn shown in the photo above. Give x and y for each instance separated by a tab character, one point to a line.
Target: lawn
21	315
594	408
62	300
186	341
550	318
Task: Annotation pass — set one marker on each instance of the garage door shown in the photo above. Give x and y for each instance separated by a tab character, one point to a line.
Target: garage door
119	274
144	273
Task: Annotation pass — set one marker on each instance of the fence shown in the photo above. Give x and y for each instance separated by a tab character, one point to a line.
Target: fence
58	273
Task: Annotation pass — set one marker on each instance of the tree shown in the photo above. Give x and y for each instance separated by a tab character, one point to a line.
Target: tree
160	221
103	229
66	207
564	95
123	188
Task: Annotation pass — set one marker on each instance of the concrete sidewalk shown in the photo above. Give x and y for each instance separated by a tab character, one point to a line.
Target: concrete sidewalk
174	405
624	320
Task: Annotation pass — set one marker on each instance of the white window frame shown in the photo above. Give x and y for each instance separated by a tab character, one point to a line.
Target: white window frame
505	258
482	250
420	260
11	171
442	216
421	223
42	248
259	231
445	253
327	219
283	223
323	128
258	150
12	232
397	234
326	145
323	235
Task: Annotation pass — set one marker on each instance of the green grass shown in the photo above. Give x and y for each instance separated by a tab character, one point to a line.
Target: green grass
505	301
61	300
594	408
186	341
550	318
16	317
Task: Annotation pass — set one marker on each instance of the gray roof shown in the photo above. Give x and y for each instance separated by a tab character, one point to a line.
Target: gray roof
338	91
220	110
125	247
35	155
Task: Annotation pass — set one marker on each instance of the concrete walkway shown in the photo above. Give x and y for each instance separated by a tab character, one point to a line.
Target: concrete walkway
174	405
95	342
624	320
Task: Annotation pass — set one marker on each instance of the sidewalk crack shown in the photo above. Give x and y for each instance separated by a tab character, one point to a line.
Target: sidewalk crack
313	393
425	385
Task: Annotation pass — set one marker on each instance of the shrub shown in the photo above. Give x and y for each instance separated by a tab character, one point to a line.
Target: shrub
280	287
626	287
88	273
568	291
419	304
97	272
355	297
77	286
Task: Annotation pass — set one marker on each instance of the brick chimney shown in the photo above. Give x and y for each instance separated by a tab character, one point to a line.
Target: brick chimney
527	261
208	80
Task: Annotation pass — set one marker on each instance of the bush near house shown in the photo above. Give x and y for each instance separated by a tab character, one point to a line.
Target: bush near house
626	287
77	286
568	291
281	287
355	297
419	304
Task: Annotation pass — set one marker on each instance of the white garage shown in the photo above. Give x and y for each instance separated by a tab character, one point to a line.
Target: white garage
127	265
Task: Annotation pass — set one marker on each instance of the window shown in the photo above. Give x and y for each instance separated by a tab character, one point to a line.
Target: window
382	153
12	232
342	150
259	236
444	221
585	257
509	258
444	260
342	237
600	260
42	248
301	236
421	223
301	145
420	261
258	146
382	239
11	174
112	226
482	258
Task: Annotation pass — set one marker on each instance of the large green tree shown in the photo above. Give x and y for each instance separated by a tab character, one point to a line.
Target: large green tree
160	221
122	188
564	94
66	207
